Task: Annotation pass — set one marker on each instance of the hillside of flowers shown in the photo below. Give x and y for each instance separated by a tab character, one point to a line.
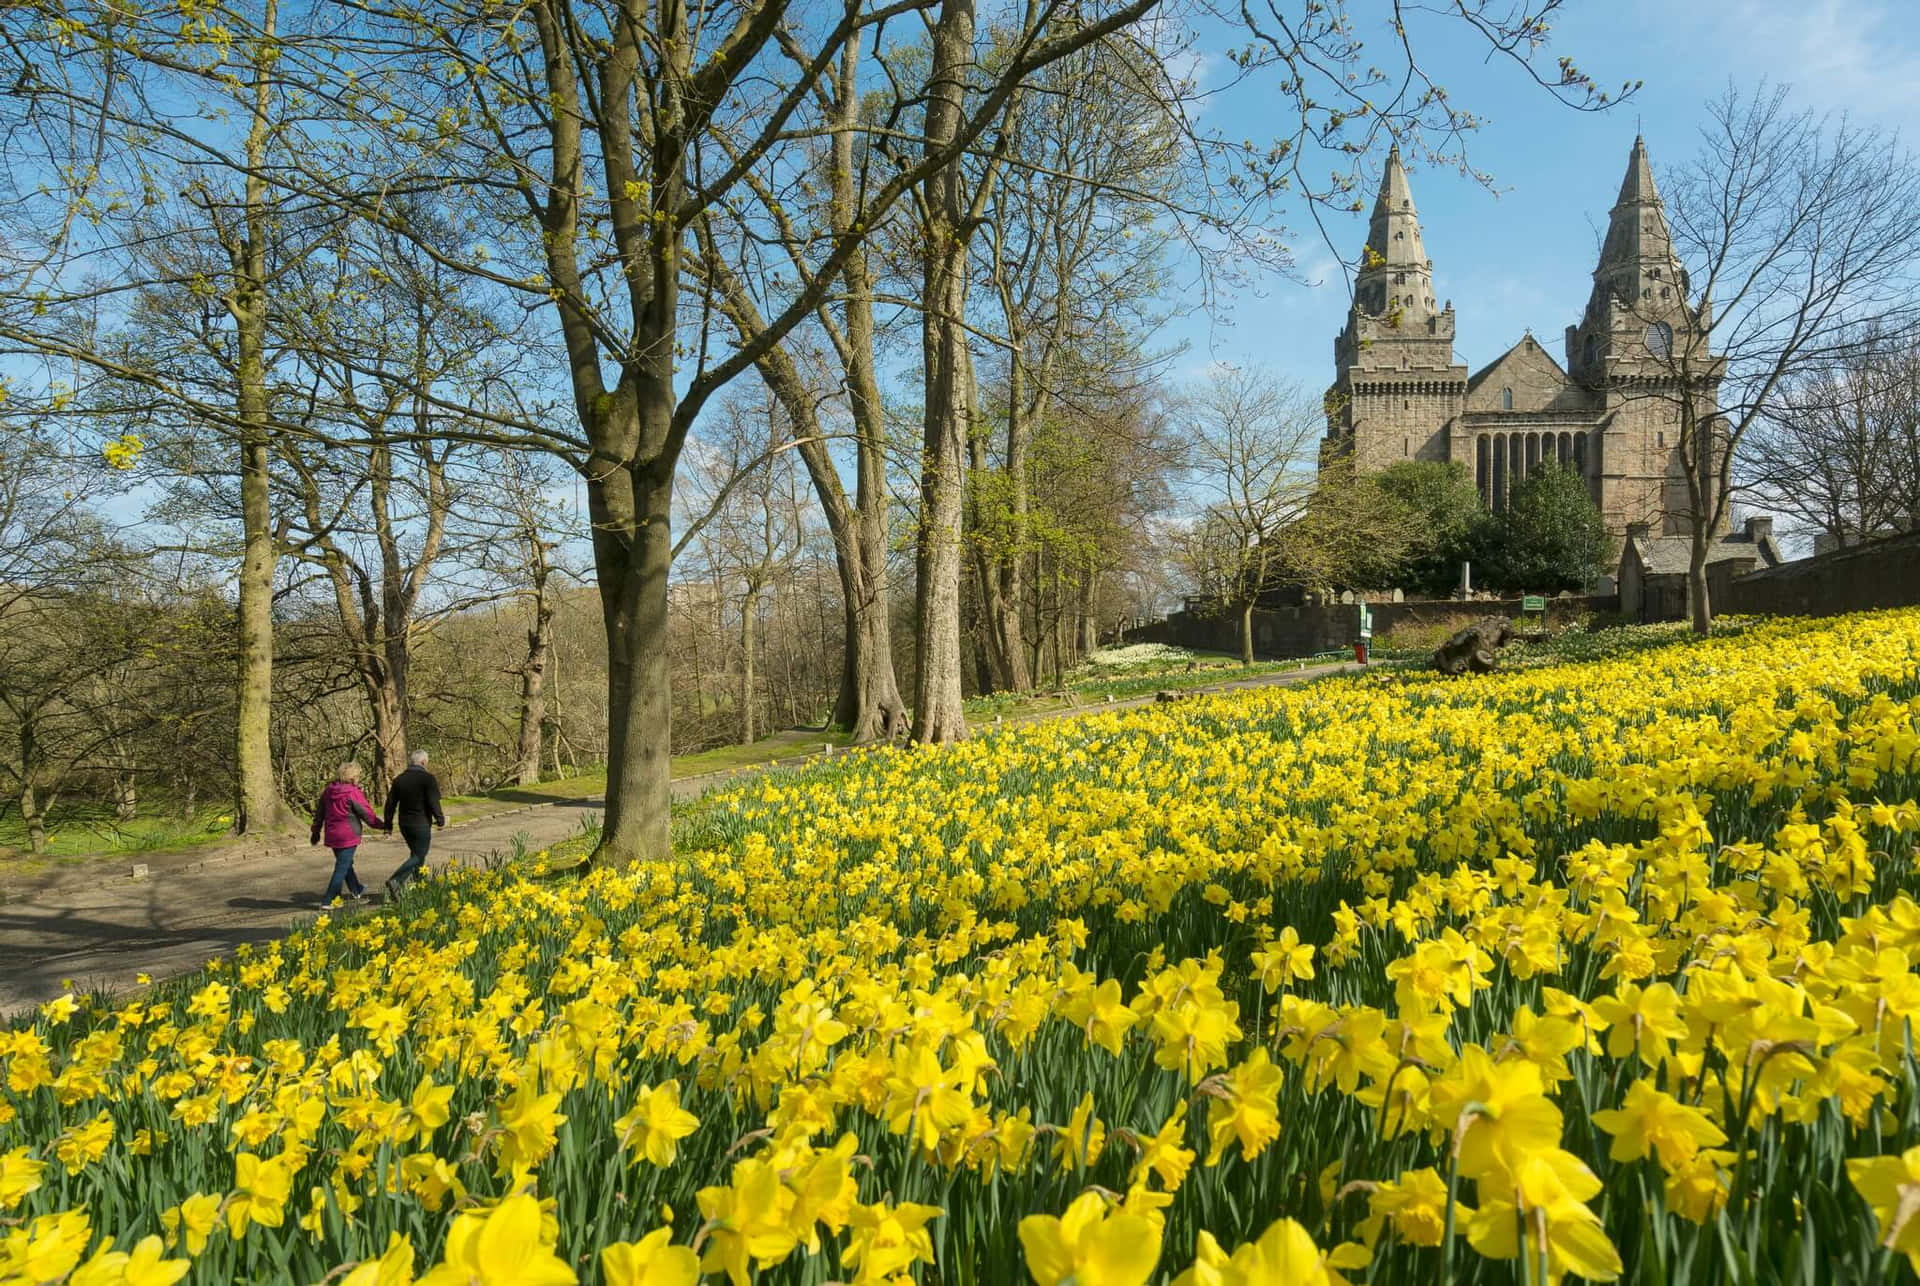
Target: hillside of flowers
1597	970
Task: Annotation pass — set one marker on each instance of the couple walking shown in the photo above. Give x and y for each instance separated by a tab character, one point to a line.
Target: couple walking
413	799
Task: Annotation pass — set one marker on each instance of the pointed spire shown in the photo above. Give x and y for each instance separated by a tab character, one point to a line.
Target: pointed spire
1637	187
1395	274
1637	264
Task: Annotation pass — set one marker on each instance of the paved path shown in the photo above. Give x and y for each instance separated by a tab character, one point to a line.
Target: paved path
104	928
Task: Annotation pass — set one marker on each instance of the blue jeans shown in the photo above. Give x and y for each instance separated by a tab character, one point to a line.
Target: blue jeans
343	876
419	837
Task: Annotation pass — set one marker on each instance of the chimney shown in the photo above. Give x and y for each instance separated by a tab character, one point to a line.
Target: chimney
1759	529
1639	530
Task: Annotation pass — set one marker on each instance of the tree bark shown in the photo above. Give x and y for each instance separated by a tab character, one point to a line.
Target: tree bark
937	713
746	668
631	510
1246	634
257	802
533	677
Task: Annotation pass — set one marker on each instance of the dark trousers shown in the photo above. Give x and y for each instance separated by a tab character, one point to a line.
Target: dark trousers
419	837
343	876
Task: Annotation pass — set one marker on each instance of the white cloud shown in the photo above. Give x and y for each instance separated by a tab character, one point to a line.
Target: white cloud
1858	56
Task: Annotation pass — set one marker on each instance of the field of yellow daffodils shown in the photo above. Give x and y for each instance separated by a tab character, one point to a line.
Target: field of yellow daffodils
1600	970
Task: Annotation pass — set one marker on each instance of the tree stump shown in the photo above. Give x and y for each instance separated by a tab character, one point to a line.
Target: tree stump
1472	649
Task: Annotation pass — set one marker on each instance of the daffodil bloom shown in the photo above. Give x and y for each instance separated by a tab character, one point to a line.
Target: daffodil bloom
1891	1186
20	1175
1090	1246
259	1196
1283	1255
1414	1206
505	1246
888	1240
1244	1108
394	1267
194	1220
1652	1119
651	1261
656	1123
1284	959
145	1265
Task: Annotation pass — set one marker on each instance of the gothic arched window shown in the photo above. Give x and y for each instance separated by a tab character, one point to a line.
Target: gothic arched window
1506	399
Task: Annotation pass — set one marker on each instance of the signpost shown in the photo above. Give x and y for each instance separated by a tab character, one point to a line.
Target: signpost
1533	603
1363	650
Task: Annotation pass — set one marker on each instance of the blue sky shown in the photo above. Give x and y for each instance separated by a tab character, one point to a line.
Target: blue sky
1523	257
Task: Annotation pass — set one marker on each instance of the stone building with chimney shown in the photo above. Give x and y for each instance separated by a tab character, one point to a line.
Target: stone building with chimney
1608	412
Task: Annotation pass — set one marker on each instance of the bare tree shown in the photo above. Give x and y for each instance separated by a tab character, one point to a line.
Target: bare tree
1840	452
1254	453
1790	234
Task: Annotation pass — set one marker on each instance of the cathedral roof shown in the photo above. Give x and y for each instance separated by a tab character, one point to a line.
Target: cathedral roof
1526	349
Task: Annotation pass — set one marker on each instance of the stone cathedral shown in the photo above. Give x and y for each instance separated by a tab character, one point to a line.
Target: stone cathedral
1398	394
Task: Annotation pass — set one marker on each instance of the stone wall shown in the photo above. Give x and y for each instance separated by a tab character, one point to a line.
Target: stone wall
1287	632
1879	573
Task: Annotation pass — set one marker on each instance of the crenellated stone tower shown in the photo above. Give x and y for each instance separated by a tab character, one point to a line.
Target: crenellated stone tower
1630	348
1396	385
1611	414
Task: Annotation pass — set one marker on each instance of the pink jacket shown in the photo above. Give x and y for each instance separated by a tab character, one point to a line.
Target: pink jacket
342	811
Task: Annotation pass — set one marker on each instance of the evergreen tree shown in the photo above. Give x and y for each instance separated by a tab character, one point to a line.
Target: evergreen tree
1550	537
1444	510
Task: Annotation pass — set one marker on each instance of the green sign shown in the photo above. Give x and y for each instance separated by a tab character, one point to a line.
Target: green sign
1366	622
1533	603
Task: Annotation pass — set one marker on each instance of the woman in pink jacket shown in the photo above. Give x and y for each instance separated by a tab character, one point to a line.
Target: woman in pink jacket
338	820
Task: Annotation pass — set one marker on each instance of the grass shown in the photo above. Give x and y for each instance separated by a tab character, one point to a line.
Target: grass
1091	684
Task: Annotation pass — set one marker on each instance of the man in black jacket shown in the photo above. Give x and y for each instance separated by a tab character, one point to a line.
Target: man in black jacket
414	799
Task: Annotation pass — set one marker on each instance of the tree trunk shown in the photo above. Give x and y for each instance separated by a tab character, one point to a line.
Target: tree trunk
533	684
389	728
746	669
257	802
1089	623
990	662
937	713
870	706
1059	626
1699	609
1246	634
35	819
1001	590
631	510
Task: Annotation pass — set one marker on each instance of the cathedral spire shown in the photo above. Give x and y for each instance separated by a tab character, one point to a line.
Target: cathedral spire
1637	264
1396	278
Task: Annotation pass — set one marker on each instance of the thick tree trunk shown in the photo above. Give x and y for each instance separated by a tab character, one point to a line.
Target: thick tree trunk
1246	634
870	706
937	713
631	509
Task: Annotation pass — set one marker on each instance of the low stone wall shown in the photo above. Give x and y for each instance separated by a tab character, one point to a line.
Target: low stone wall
1880	573
1287	632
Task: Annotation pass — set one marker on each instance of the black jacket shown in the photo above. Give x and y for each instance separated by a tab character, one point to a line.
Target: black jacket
415	797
